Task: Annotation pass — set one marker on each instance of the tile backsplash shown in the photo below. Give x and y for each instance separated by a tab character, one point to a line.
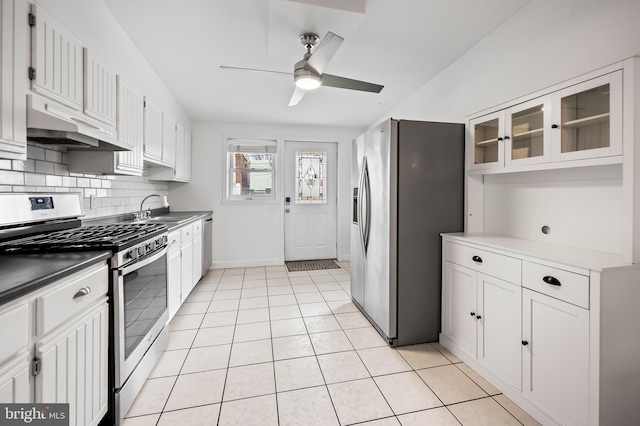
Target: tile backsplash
45	170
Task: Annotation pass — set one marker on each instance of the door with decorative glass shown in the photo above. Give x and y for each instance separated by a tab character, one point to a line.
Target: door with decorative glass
310	200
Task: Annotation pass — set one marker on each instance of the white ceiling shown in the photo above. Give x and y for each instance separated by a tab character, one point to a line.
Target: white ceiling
400	44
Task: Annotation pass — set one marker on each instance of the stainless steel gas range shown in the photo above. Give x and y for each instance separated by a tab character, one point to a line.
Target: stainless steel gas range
46	223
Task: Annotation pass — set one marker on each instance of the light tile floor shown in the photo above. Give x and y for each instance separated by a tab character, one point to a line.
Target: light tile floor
261	346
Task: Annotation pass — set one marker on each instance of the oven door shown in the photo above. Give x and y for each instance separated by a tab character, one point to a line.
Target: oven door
140	311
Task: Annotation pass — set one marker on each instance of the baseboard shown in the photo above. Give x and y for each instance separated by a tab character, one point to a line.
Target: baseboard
246	263
345	258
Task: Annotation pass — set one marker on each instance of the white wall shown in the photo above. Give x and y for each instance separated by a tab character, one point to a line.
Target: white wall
252	234
549	41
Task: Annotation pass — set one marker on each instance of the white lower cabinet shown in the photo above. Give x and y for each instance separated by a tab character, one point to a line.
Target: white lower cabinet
187	269
555	336
56	346
499	319
555	339
14	380
174	273
197	251
74	365
180	265
481	314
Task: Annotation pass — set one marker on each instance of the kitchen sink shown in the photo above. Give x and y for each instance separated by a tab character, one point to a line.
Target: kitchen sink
163	219
168	219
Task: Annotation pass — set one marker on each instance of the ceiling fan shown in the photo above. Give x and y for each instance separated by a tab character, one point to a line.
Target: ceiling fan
308	73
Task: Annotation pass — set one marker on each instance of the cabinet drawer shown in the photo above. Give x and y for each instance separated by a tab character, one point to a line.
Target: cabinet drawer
14	329
197	227
71	296
174	240
554	282
497	265
186	233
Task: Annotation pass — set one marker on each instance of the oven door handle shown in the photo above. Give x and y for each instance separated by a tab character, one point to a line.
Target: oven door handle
142	264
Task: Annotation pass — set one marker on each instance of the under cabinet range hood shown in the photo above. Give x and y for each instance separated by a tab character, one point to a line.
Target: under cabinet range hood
51	123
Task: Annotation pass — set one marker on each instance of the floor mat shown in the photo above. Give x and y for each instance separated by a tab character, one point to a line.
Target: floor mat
311	265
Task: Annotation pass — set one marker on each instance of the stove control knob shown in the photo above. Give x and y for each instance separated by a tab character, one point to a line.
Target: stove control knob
149	247
141	251
130	255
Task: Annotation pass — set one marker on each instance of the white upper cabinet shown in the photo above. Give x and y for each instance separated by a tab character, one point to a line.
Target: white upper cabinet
13	60
183	155
527	128
130	128
579	120
587	119
152	132
180	158
169	134
487	141
99	89
56	60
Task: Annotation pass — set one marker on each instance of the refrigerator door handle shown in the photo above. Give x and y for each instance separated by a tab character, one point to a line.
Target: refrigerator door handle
362	198
367	212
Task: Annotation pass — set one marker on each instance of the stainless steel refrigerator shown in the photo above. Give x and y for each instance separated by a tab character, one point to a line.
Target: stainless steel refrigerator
407	179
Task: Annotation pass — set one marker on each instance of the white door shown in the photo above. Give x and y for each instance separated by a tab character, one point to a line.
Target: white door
310	200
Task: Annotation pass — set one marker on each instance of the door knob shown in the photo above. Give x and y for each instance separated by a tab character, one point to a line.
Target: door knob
287	210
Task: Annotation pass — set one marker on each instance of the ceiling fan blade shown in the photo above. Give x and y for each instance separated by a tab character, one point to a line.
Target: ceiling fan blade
324	51
228	68
347	83
297	95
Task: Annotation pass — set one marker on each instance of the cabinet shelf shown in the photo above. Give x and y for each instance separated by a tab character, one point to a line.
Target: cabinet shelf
528	133
587	121
487	142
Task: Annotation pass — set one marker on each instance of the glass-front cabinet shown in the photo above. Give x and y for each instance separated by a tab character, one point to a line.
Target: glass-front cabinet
580	122
527	132
588	119
487	133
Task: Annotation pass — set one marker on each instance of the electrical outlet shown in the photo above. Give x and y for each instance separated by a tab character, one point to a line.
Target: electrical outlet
92	202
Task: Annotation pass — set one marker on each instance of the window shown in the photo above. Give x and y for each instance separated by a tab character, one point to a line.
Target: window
251	170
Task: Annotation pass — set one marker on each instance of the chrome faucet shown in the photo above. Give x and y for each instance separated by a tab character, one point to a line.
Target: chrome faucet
141	215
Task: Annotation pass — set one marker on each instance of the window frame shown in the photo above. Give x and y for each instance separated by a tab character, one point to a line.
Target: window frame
266	145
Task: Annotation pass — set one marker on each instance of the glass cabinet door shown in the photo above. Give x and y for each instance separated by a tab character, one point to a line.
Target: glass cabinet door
526	140
590	118
487	147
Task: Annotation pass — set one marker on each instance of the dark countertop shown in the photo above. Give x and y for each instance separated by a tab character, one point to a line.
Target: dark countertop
22	274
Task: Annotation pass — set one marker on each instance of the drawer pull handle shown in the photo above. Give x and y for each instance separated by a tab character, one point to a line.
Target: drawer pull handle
82	292
477	259
551	280
525	343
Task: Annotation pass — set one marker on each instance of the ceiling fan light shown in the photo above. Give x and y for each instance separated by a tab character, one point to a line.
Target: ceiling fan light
308	82
305	79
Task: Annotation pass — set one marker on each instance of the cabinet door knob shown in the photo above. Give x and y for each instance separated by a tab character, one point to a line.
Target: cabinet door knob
477	259
499	139
506	138
525	343
473	314
554	126
478	317
551	280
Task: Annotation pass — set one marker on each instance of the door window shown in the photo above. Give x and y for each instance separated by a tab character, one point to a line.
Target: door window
310	177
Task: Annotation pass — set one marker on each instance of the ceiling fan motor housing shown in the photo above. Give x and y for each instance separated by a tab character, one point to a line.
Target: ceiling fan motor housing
309	40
